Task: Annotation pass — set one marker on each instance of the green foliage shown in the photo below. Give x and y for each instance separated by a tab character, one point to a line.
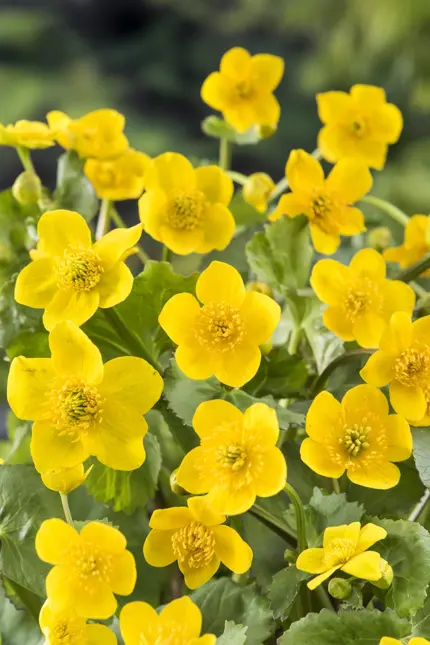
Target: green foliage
215	126
244	213
279	375
284	590
16	625
74	191
233	634
421	622
329	510
421	453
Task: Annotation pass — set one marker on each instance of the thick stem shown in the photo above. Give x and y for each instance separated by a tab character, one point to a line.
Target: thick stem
25	157
336	487
294	341
300	517
338	362
238	177
165	254
103	220
389	209
282	184
66	508
119	223
224	154
414	271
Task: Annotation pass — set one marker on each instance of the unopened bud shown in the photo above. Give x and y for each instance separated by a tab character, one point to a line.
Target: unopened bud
64	480
339	588
257	190
260	287
27	188
175	487
379	238
387	575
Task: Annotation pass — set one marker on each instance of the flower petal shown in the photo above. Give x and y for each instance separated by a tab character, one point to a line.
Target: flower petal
215	184
115	285
325	412
183	611
317	457
99	635
410	402
315	582
195	361
267	71
365	398
29	384
131	382
312	561
344	531
203	512
236	63
266	109
181	242
230	499
36	284
369	263
221	282
171	172
178	317
111	247
261	315
332	106
349	180
366	96
192	475
398	297
157	548
368	329
335	320
382	477
388	123
369	535
379	369
73	354
291	205
169	519
136	620
420	329
123	574
304	172
51	449
75	306
106	537
211	415
364	565
195	578
329	280
60	229
274	473
233	552
399	438
218	229
260	425
325	243
152	211
398	335
118	439
216	90
54	539
238	366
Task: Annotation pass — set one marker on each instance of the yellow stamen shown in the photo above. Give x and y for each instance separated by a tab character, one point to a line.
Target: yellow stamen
76	405
412	367
219	327
185	210
79	270
340	550
362	296
355	439
194	545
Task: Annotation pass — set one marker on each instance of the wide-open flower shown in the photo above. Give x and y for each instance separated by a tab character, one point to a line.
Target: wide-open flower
414	246
185	208
64	480
243	88
81	407
223	336
98	134
89	567
257	190
119	178
345	548
28	134
387	640
403	361
360	124
67	628
237	458
70	277
357	435
196	537
360	299
140	623
325	202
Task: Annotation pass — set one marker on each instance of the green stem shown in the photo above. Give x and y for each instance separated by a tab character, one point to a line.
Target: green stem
119	223
103	220
224	154
282	184
108	341
294	341
238	177
66	508
324	598
165	254
25	157
336	487
320	382
420	291
389	209
273	522
414	271
419	508
300	517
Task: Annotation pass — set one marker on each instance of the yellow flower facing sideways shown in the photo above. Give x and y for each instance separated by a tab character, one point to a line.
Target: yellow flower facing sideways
81	407
89	567
360	299
223	336
414	246
237	459
28	134
387	640
403	362
197	538
243	89
360	124
61	627
327	203
119	178
70	277
358	436
64	480
185	208
140	623
257	190
345	548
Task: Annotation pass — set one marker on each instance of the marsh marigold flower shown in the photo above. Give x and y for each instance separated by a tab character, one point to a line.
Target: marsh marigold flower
257	190
414	246
243	89
70	277
89	567
222	337
358	436
360	124
196	538
119	178
325	202
64	480
387	640
140	623
27	134
185	208
237	459
345	548
403	362
61	627
360	299
81	407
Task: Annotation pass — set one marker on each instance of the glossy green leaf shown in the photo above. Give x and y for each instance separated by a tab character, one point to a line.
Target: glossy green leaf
284	589
233	634
323	511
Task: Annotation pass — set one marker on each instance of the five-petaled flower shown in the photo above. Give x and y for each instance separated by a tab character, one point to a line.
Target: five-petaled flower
223	336
89	567
119	178
345	548
81	407
61	627
325	202
415	245
27	134
360	299
357	435
360	125
243	89
237	459
257	190
196	538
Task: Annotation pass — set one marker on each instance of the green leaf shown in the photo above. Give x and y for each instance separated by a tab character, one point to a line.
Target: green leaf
215	126
243	400
324	344
279	375
421	622
284	590
233	634
32	344
74	191
267	546
245	214
329	510
17	626
421	453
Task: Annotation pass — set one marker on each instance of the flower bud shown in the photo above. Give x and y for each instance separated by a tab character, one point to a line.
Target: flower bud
257	190
379	238
260	287
340	588
175	487
387	575
64	480
290	556
266	347
27	188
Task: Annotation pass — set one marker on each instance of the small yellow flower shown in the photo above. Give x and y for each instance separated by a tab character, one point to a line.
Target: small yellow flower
243	89
64	480
140	623
61	627
257	190
185	208
325	202
222	337
195	538
237	459
70	277
98	134
28	134
81	407
360	124
403	361
345	548
358	435
360	298
89	567
414	247
119	178
387	640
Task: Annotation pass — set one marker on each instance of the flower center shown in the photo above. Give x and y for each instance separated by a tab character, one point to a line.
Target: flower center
169	633
106	176
232	457
65	633
362	296
79	270
90	565
355	439
321	214
219	327
340	550
76	405
358	127
244	89
412	367
185	210
194	545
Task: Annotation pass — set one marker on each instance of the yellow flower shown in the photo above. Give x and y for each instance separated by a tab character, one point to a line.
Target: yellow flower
140	623
325	202
360	125
98	134
237	459
357	435
61	627
403	361
70	277
64	480
345	548
387	640
186	208
259	287
89	567
243	89
257	190
414	247
28	134
195	538
360	299
81	407
119	178
222	337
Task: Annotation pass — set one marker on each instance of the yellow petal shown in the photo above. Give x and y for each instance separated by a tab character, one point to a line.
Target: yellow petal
171	172
369	535
364	565
53	540
349	180
210	639
399	438
202	511
60	590
421	330
192	475
181	242
215	184
312	561
325	243
388	123
329	280
410	402
123	574
372	153
51	449
216	90
73	354
304	172
152	211
325	412
195	578
368	329
386	640
118	439
185	613
218	229
379	369
318	458
157	548
112	246
221	282
415	230
398	296
241	116
332	106
315	582
106	537
29	384
65	480
230	499
131	382
115	285
366	96
36	284
335	320
138	619
211	415
195	361
274	473
266	109
267	71
331	142
344	532
240	365
364	398
398	335
169	519
382	477
260	425
233	552
99	635
261	315
236	63
75	306
178	317
413	641
369	263
60	229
